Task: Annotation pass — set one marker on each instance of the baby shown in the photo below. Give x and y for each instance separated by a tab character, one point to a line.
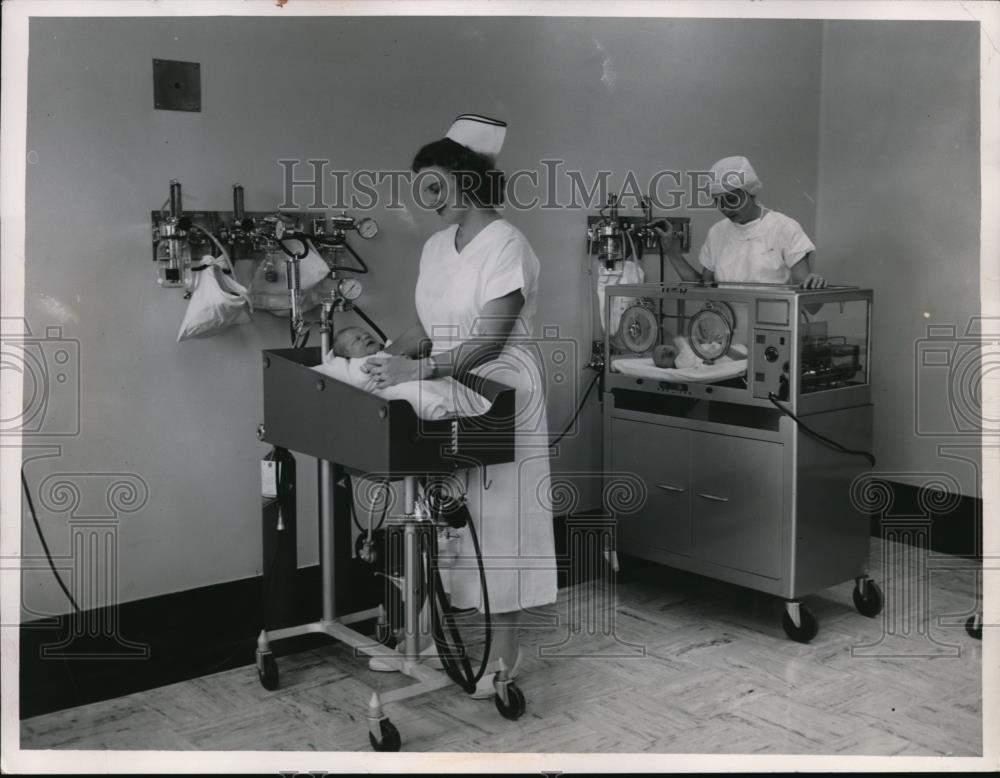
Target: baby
432	400
354	342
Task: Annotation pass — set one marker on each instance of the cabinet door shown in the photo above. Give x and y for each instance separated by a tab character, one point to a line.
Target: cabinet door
736	502
658	455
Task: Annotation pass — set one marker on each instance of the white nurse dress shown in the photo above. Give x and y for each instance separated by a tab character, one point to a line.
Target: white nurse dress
513	516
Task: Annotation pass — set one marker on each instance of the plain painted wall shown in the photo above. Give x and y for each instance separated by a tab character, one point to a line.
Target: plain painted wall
899	211
640	95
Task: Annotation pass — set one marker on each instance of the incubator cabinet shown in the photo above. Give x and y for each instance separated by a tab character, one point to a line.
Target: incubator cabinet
746	412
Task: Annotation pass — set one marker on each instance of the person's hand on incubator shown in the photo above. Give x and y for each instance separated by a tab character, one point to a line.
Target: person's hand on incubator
813	281
388	371
802	275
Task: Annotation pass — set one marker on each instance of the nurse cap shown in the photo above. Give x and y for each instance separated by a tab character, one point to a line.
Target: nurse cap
478	133
734	173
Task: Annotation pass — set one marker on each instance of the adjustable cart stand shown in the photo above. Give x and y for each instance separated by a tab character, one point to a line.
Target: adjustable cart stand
350	430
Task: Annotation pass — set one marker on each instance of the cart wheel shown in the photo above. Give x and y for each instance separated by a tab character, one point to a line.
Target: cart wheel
870	604
390	737
267	672
515	705
974	628
805	631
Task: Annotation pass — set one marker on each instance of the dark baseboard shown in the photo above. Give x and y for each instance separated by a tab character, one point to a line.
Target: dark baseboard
950	523
154	642
175	637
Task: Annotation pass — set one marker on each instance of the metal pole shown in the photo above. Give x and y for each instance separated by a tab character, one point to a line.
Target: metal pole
326	328
412	569
325	480
175	198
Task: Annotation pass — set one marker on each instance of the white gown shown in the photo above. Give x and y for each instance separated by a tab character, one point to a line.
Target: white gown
763	251
513	516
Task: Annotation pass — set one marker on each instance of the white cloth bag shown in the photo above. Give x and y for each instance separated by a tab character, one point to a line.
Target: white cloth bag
631	273
217	301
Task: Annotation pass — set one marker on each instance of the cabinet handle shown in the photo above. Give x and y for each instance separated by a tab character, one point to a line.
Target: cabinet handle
713	497
669	488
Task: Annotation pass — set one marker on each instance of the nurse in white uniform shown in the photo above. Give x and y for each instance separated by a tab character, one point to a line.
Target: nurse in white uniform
476	299
753	244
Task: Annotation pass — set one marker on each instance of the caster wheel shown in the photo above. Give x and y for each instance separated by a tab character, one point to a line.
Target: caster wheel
267	672
515	706
870	604
806	631
390	737
974	628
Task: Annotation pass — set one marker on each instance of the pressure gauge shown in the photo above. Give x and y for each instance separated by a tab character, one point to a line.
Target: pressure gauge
349	288
279	229
637	329
367	228
710	331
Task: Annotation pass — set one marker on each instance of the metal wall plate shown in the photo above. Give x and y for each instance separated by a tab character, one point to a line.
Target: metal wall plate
176	85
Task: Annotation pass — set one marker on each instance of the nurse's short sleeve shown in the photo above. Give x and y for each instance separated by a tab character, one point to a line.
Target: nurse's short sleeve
795	244
504	272
707	254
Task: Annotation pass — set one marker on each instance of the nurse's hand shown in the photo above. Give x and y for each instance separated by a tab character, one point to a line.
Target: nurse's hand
813	281
389	371
668	236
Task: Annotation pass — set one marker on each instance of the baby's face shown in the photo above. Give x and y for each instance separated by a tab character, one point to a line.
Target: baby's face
355	342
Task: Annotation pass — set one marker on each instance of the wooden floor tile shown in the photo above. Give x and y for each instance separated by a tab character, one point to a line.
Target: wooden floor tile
670	664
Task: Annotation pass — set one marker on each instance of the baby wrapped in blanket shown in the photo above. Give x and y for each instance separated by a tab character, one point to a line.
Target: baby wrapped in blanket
441	398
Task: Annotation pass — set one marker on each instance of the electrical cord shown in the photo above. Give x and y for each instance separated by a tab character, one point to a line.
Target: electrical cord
579	410
370	323
815	435
659	245
45	546
453	655
362	267
354	515
361	262
333	243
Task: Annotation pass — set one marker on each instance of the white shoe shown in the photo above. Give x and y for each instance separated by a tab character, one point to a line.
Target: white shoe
429	656
484	687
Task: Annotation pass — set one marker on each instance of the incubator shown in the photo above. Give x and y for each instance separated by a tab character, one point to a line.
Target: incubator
745	409
748	344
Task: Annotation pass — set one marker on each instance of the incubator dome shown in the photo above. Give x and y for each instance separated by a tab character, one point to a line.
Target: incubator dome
710	331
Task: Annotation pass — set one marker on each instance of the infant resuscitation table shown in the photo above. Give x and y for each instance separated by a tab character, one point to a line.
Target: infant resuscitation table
351	431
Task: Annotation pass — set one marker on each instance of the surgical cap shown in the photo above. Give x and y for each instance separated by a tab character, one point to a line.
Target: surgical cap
479	133
734	173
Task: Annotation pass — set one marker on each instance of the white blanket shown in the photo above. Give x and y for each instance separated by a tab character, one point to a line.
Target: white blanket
442	398
690	368
644	368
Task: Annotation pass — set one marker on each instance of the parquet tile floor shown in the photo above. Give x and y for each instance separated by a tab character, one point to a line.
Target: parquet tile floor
662	663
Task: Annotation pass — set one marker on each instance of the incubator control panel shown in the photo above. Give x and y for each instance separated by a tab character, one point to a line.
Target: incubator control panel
751	344
771	361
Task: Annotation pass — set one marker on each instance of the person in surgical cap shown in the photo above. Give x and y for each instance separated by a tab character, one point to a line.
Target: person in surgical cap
753	244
